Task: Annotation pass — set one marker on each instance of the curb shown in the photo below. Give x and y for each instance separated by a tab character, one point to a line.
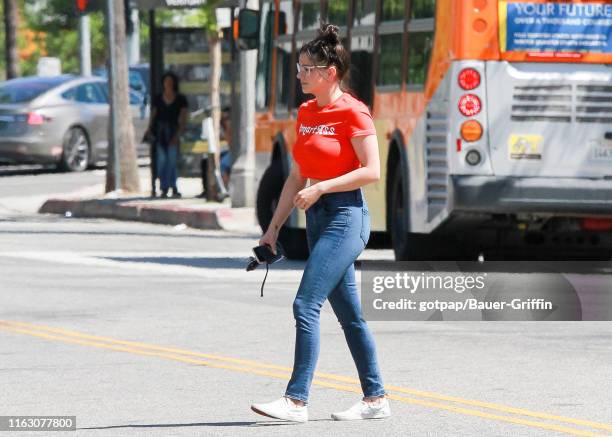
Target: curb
131	210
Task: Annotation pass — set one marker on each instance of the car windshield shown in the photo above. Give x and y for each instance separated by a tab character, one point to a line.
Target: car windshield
25	90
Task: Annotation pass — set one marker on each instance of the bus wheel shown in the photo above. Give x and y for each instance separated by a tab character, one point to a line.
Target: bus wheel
409	246
268	194
399	214
406	245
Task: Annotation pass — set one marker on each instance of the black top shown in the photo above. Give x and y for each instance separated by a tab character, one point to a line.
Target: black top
166	120
169	112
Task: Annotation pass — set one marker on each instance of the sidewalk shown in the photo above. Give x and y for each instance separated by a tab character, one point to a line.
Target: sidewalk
188	210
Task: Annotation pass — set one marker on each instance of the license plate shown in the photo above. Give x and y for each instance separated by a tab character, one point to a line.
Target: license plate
601	151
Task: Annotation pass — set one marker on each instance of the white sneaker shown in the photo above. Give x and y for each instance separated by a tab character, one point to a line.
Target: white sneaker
365	410
282	409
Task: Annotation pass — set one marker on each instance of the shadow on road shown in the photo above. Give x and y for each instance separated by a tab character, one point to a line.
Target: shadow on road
206	263
30	170
129	234
220	424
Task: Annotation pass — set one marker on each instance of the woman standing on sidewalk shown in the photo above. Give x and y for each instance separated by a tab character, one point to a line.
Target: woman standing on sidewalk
337	151
167	123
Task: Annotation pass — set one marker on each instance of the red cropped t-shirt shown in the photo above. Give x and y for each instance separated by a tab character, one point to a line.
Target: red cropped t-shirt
323	148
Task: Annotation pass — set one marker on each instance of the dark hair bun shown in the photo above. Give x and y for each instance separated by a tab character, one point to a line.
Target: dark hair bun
329	33
327	49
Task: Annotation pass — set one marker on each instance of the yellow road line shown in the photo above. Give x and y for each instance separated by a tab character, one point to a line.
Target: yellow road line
487	405
177	355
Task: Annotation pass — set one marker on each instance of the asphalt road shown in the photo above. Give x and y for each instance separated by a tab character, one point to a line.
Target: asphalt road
146	330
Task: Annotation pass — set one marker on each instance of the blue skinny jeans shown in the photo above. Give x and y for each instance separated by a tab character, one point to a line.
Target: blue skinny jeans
337	228
167	162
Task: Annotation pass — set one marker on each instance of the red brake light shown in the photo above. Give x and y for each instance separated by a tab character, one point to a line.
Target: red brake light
596	224
470	105
35	118
469	79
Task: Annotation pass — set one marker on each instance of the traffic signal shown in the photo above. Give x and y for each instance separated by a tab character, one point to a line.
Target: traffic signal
86	6
127	10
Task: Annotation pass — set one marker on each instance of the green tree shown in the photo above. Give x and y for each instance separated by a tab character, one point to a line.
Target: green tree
145	35
125	146
337	13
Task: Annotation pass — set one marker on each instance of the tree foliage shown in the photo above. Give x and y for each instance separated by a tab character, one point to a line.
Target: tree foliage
55	25
50	28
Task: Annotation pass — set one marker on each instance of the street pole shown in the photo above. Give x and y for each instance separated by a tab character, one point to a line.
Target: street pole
242	188
235	102
154	78
113	90
85	45
133	45
11	47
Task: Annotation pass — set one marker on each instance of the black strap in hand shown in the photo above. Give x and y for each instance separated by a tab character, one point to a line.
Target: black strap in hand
264	281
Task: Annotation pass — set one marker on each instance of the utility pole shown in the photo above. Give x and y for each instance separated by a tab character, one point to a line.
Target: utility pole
242	188
133	35
85	45
235	102
113	179
11	25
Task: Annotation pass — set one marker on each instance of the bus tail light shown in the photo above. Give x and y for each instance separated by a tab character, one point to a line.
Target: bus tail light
471	131
596	224
470	105
469	79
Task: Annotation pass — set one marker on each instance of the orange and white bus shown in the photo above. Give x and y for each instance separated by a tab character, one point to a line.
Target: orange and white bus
494	120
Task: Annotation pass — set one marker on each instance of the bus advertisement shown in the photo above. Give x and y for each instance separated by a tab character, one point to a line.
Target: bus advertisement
493	117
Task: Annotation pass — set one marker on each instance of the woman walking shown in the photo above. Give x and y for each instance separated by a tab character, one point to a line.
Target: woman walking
167	123
337	152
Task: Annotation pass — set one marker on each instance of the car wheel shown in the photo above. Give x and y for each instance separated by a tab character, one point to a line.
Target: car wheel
76	151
